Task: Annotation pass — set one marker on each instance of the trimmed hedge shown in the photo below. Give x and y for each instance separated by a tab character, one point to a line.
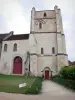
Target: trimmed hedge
68	72
65	82
66	77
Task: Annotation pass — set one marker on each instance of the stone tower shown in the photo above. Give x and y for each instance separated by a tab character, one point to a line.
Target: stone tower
47	43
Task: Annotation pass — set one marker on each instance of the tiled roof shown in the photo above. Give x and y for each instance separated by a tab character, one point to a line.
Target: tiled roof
18	37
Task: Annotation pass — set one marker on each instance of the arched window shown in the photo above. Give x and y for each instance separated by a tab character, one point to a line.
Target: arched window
40	25
5	47
53	50
42	51
45	15
15	47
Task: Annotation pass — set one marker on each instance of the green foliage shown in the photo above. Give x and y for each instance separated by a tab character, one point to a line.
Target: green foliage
65	82
66	77
68	72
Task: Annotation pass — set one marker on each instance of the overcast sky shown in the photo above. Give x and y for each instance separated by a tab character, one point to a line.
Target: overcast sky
15	15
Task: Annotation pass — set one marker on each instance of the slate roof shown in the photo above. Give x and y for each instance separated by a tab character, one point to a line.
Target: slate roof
18	37
2	36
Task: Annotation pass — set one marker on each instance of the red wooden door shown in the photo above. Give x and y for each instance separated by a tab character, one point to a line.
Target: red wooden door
47	74
17	66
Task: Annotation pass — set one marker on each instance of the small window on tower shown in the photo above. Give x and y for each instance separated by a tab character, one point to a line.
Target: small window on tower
40	25
44	14
53	50
42	52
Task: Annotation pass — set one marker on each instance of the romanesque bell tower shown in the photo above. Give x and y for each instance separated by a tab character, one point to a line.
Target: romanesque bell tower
47	42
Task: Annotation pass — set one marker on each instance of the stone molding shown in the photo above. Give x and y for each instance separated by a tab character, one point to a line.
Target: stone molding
32	54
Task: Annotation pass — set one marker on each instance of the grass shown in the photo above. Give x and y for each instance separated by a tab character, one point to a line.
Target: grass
35	87
68	83
10	83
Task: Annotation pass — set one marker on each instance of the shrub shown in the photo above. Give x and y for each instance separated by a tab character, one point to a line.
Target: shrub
65	82
68	72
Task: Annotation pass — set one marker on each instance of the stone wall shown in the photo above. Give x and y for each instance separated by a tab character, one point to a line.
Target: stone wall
49	13
46	61
48	25
46	41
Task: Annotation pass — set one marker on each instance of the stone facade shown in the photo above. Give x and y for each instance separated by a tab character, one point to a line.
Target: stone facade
46	45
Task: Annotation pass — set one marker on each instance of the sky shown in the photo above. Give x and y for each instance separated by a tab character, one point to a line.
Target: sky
15	16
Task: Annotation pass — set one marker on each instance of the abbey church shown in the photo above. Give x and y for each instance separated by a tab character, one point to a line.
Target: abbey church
42	52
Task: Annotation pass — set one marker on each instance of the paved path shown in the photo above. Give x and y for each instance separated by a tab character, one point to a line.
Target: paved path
53	88
50	91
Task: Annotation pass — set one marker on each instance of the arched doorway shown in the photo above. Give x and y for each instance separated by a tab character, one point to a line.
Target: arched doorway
17	65
47	73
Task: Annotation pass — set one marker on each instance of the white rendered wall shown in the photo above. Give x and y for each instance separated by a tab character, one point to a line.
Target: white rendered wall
8	57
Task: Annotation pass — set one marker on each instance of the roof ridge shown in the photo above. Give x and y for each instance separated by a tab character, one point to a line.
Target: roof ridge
21	34
4	33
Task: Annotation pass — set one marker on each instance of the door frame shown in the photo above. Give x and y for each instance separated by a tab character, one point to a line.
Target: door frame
14	62
48	69
48	75
13	56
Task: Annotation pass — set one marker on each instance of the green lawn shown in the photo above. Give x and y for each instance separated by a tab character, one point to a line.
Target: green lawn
10	83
